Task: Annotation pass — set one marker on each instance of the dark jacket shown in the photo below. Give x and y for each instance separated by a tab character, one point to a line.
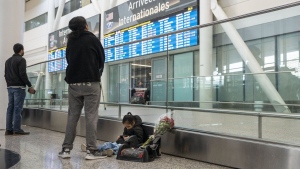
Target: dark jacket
15	71
137	130
85	57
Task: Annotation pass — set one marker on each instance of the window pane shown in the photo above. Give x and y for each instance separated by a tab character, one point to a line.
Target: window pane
85	2
67	8
36	22
264	52
113	83
288	83
94	25
230	62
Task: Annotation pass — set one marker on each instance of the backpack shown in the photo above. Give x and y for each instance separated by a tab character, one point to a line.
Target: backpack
147	154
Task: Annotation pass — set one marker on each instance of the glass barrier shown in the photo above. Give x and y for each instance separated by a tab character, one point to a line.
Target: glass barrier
282	130
250	64
230	124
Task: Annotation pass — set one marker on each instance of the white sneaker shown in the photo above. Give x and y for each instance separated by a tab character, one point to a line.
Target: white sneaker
108	152
83	147
93	155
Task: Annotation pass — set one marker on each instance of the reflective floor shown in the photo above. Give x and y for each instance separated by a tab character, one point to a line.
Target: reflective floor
39	150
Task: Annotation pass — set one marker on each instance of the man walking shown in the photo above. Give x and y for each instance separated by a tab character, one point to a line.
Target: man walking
16	80
85	57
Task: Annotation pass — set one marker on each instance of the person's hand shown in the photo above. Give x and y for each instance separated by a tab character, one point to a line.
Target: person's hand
125	138
31	90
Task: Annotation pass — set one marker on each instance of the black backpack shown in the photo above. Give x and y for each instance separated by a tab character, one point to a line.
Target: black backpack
147	154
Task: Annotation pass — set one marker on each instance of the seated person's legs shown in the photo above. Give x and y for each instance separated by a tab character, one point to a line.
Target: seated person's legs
107	149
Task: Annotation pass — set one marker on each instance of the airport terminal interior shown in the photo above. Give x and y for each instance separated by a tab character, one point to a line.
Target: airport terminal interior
225	72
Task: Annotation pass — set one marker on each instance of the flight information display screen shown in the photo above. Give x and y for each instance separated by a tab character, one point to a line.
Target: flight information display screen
57	65
181	20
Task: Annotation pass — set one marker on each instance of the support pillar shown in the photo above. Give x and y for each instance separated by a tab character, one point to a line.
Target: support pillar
51	16
113	3
11	32
59	14
97	6
206	55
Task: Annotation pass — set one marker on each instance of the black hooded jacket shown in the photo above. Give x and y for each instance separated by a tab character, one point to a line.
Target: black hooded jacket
85	56
137	130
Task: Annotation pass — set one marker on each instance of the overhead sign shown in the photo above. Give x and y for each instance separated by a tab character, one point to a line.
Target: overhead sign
138	11
58	39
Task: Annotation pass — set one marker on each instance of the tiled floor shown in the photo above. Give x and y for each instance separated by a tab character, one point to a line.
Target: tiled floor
39	150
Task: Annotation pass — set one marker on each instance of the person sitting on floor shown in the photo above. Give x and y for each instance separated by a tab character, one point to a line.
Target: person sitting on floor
132	135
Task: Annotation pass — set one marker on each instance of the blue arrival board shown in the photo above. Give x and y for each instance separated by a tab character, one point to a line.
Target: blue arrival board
183	20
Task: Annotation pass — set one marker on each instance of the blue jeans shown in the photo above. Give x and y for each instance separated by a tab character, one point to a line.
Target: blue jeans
109	145
16	97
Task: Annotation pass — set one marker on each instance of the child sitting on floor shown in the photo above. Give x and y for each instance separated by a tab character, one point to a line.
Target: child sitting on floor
132	135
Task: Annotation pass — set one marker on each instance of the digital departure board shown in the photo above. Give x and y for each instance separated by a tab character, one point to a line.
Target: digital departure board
177	21
57	65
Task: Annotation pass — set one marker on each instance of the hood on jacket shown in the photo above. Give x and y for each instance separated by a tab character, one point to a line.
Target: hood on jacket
138	120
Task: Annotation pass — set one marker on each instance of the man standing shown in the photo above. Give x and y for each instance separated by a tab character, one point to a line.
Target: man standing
16	80
85	57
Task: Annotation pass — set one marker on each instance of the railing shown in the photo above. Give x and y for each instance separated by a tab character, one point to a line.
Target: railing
118	109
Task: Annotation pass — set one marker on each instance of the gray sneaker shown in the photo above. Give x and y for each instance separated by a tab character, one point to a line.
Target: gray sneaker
108	152
65	153
94	154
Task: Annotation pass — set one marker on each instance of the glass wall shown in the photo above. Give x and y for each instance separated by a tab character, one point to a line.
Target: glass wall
239	87
113	88
36	22
158	81
59	87
183	68
148	79
288	59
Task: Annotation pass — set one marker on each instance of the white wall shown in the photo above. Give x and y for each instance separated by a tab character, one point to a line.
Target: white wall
35	40
239	7
35	8
35	44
